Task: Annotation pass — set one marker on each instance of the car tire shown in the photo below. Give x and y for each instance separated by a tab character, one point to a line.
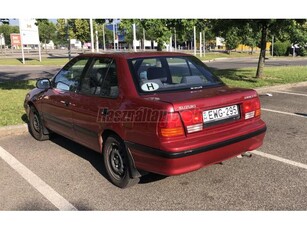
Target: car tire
36	126
116	162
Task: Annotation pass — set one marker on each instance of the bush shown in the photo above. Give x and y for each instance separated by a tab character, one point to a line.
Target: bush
302	51
281	48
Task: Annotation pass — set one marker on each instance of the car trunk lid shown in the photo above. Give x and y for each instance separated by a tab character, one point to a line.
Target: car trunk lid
204	108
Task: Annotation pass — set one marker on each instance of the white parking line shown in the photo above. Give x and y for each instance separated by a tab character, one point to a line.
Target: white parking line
281	112
56	199
291	93
273	157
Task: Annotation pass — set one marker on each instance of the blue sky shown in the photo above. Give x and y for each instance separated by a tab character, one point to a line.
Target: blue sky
15	22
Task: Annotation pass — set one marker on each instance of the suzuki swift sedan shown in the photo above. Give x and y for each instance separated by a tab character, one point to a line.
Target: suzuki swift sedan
159	112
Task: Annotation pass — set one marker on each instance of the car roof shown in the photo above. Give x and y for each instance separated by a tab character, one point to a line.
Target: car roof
129	55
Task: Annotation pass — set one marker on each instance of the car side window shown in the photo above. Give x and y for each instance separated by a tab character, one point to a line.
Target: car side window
69	77
101	79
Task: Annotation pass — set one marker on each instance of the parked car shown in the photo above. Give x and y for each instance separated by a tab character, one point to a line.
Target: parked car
159	112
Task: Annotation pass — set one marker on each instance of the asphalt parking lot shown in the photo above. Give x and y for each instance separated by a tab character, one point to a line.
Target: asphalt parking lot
62	175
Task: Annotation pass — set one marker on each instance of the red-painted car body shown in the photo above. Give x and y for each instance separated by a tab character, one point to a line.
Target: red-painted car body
173	115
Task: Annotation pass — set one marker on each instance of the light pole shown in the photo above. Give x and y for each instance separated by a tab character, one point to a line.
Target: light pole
200	45
194	41
144	38
68	39
134	37
92	35
204	46
273	46
97	42
104	38
114	44
175	37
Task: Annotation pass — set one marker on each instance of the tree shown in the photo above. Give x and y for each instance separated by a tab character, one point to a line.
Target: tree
6	30
126	26
108	33
232	39
63	32
47	30
75	28
249	36
81	29
264	27
297	35
276	27
157	30
184	29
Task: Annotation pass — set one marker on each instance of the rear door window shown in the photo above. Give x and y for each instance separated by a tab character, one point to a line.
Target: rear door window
101	79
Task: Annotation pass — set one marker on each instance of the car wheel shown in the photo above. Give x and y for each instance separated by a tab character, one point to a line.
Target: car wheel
117	163
36	127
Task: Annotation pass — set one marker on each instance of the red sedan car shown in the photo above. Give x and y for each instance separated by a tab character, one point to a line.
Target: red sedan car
157	112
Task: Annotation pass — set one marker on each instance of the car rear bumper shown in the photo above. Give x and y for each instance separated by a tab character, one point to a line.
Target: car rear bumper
174	163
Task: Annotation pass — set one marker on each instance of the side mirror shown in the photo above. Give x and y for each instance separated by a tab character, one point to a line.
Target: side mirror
43	83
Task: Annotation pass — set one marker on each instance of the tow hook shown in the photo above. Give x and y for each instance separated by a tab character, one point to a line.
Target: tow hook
246	154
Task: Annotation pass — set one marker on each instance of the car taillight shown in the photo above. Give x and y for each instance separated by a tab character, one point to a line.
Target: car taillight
170	125
251	108
193	120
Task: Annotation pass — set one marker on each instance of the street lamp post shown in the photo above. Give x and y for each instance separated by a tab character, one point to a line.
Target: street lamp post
273	46
204	46
200	45
104	38
114	44
97	42
175	37
144	38
68	39
92	35
194	41
134	37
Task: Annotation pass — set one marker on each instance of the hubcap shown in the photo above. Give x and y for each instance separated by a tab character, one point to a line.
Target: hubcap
116	160
36	124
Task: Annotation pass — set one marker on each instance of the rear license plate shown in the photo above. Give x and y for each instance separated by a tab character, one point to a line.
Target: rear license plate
219	114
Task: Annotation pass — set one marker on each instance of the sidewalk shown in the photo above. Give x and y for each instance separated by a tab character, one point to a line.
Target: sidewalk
13	130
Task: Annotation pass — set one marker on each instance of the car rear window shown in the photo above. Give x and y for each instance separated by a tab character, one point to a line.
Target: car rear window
158	74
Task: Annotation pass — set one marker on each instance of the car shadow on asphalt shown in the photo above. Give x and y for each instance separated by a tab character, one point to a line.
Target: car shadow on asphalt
96	159
151	177
91	156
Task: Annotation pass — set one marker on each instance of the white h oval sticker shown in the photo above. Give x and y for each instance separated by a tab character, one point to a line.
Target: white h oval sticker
150	86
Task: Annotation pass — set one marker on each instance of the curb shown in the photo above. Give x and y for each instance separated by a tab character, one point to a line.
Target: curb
13	130
266	89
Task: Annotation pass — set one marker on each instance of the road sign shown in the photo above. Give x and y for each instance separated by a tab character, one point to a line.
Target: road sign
29	35
29	31
15	40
